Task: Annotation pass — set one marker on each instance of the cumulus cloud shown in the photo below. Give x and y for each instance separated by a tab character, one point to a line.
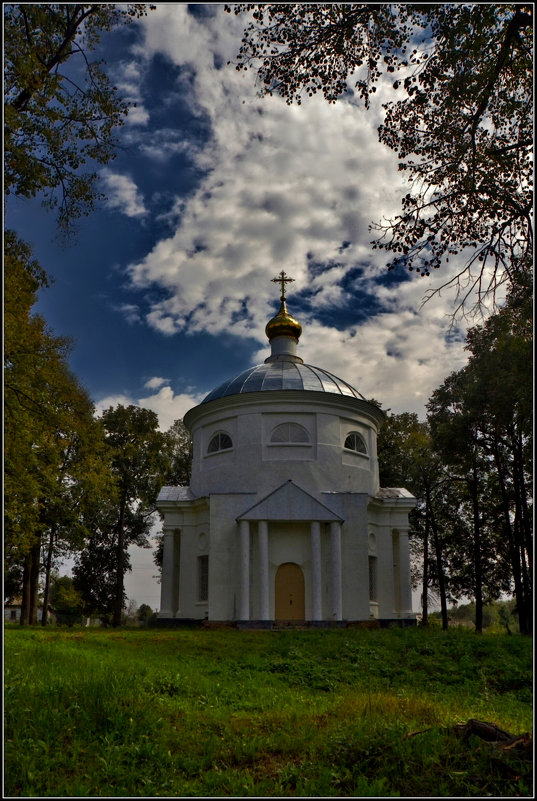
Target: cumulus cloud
130	311
168	142
117	399
294	188
128	81
169	406
122	194
155	382
283	198
165	403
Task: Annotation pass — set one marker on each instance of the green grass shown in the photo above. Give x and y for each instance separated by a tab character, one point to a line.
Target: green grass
227	713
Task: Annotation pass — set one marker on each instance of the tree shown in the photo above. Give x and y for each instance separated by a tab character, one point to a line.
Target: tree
180	444
145	615
407	458
462	128
140	461
456	436
65	600
499	394
60	114
180	448
131	613
49	431
480	424
60	110
95	573
82	478
31	355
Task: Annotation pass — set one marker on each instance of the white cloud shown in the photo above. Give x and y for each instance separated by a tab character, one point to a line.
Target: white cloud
128	81
155	383
122	194
286	187
167	142
264	204
130	311
165	403
116	399
168	406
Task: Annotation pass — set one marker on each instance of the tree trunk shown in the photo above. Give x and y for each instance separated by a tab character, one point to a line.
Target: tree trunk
25	601
478	571
514	555
424	597
522	531
118	607
439	566
35	566
48	564
60	55
526	612
522	494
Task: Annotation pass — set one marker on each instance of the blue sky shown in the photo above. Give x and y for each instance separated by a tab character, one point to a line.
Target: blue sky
167	289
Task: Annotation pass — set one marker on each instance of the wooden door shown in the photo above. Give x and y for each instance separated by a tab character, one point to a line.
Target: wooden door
289	593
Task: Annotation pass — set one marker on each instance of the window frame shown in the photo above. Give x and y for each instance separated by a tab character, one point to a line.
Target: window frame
361	437
219	435
290	442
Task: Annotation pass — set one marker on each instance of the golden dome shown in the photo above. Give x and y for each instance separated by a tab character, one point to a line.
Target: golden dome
283	325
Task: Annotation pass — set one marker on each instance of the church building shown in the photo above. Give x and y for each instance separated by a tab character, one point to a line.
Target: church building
284	519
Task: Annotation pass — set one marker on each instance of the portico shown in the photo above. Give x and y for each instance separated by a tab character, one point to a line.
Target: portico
289	503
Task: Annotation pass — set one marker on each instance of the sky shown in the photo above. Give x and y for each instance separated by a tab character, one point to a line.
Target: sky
167	289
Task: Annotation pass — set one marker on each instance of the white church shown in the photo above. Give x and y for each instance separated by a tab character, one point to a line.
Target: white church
284	521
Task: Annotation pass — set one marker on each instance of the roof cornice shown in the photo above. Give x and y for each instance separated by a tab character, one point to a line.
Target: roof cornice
303	397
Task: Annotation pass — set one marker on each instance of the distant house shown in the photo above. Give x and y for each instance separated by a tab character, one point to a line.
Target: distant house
12	612
92	621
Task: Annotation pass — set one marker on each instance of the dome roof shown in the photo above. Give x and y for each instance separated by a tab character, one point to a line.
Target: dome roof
283	369
283	374
283	325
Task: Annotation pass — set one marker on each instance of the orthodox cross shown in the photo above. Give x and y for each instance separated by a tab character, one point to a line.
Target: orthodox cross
283	280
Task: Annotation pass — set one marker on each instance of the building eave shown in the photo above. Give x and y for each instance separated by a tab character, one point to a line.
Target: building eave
272	397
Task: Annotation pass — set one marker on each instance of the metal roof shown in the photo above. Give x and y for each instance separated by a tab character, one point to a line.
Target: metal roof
283	374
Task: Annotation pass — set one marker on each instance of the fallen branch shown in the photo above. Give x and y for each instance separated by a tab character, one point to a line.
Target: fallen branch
488	732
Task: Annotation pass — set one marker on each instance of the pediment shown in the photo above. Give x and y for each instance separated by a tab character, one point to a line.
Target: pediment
289	502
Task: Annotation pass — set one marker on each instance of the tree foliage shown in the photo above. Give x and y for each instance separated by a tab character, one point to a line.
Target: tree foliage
180	444
142	459
65	600
481	426
470	467
145	615
139	464
60	109
462	126
95	572
54	466
407	458
31	359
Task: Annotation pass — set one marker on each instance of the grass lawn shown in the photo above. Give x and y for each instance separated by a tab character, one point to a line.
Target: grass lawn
93	712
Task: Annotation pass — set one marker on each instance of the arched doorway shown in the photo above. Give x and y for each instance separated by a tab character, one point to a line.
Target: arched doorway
289	596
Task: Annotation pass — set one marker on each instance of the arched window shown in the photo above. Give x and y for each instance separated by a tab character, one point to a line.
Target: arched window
220	442
288	434
355	442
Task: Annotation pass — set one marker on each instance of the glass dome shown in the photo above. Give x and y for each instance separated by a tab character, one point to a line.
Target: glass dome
283	374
